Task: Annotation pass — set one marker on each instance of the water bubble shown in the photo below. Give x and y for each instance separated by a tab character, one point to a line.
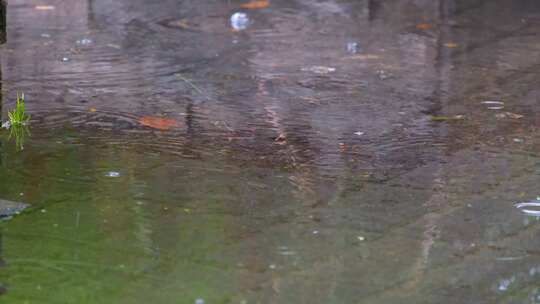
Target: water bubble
112	174
530	208
240	21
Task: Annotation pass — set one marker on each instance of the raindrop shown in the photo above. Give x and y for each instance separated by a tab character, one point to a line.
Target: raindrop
530	208
240	21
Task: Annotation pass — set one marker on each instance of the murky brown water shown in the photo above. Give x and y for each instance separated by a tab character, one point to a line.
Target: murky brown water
321	152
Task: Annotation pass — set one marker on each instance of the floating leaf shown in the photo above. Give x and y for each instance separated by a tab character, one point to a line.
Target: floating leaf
256	4
158	123
424	26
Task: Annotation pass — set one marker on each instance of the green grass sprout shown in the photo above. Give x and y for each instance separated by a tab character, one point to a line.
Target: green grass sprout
18	116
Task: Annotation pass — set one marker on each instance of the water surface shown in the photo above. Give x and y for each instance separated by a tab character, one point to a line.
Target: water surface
321	152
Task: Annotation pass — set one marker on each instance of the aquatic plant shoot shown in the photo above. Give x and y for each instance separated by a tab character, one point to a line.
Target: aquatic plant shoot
18	116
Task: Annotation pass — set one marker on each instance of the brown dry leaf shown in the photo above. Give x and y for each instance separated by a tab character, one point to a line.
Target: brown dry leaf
256	4
424	26
45	7
451	45
158	123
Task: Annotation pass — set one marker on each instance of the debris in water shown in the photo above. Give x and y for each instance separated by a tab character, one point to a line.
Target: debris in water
190	83
112	174
352	47
114	46
240	21
361	238
424	26
272	266
447	118
451	45
158	123
45	35
518	140
508	115
504	284
44	7
9	208
359	133
530	208
382	74
364	57
84	41
199	301
510	258
317	69
65	59
256	4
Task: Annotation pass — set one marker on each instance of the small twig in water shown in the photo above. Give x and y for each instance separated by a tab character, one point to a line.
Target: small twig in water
190	84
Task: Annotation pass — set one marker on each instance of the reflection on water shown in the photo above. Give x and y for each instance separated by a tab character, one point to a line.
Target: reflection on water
304	152
19	133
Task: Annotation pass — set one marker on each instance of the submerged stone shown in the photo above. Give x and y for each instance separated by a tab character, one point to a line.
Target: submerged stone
9	208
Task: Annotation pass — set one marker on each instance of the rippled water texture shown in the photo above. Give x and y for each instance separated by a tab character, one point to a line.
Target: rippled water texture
282	151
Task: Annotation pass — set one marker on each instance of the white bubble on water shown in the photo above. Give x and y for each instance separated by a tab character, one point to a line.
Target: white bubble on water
240	21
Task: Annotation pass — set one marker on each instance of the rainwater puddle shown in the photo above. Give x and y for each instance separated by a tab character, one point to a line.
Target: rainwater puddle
271	152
